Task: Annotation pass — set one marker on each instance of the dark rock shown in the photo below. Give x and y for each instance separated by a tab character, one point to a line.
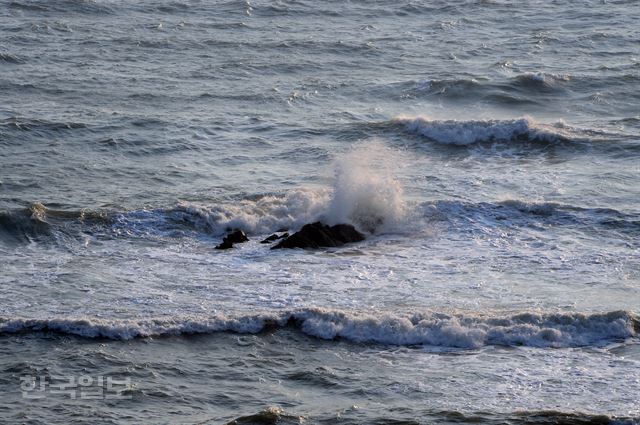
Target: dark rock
237	236
274	237
346	233
224	245
318	235
270	239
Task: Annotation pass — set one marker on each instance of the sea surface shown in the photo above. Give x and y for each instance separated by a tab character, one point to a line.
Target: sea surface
489	150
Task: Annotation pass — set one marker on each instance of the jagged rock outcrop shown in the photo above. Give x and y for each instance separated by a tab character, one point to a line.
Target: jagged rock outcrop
274	238
237	236
319	235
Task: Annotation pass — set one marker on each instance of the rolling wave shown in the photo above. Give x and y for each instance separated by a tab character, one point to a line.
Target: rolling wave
10	58
23	226
386	212
527	88
463	133
540	79
524	88
465	331
41	224
513	212
295	208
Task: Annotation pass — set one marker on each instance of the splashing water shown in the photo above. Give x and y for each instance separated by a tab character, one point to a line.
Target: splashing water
365	192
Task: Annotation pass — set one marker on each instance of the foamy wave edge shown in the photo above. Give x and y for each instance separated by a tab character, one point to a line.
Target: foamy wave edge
463	133
555	330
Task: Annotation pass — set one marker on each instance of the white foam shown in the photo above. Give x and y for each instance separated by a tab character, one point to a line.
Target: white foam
128	329
262	215
365	192
543	77
530	329
453	132
434	329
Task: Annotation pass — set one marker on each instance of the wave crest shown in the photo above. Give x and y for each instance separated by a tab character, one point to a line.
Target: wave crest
555	330
463	133
37	223
261	215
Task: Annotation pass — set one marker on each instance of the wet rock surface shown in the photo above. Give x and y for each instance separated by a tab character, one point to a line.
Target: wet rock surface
319	235
274	237
237	236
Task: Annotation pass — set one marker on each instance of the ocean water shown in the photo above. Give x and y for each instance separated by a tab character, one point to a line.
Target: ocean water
489	150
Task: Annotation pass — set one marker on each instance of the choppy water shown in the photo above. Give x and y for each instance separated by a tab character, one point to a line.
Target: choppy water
489	149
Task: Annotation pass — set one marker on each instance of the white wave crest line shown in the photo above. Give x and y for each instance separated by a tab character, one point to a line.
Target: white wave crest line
431	329
465	133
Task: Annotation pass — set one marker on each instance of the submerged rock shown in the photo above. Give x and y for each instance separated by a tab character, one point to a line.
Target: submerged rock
274	238
270	416
237	236
318	235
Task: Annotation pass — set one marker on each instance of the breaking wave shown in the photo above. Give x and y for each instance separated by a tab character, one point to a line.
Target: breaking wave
23	225
462	133
364	193
262	214
373	203
540	79
39	223
532	329
291	210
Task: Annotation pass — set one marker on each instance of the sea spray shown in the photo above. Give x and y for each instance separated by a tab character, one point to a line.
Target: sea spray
264	214
365	191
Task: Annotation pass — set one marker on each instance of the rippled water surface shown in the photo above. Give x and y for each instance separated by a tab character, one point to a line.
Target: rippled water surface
489	151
